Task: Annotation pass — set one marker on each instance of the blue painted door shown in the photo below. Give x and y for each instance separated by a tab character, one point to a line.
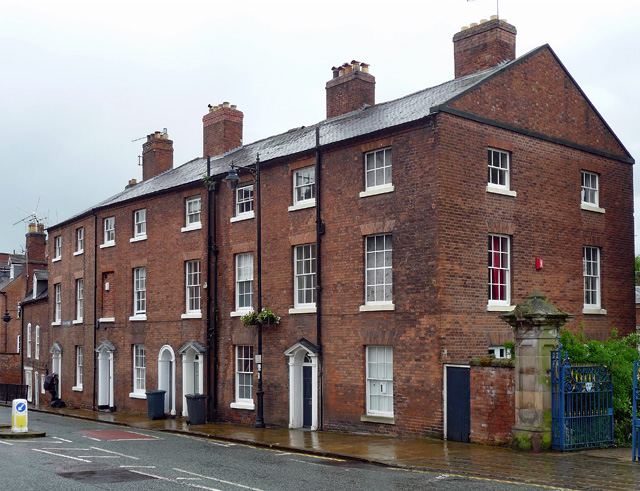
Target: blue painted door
306	397
458	405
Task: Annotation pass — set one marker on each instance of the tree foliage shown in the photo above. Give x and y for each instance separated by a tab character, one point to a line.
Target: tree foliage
618	355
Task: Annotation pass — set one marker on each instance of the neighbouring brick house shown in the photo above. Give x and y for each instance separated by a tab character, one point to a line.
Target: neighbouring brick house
392	237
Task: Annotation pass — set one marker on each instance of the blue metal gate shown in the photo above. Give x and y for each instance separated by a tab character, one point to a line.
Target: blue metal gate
635	433
581	404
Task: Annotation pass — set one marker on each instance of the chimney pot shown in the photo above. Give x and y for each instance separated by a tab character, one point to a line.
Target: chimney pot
31	227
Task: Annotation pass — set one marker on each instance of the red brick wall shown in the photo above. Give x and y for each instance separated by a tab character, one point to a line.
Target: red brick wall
222	130
493	401
157	155
10	368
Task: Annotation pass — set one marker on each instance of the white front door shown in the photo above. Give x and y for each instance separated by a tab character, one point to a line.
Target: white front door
167	377
105	379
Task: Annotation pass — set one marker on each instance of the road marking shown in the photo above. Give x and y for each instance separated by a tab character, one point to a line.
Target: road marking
99	456
5	443
138	466
189	478
222	444
65	449
61	455
61	439
91	438
218	480
175	481
115	453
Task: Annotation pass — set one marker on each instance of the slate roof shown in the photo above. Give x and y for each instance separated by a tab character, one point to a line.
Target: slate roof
369	119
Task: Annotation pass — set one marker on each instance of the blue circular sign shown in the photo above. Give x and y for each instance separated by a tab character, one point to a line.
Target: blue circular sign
22	407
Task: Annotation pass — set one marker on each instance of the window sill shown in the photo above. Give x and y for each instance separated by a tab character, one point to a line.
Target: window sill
138	238
77	388
108	244
385	420
192	315
77	253
56	259
593	311
240	313
242	405
56	323
301	205
192	227
502	191
77	321
500	308
377	307
378	190
138	317
104	320
303	310
137	395
589	207
244	216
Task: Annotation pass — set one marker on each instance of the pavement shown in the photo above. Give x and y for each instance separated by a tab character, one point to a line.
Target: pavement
597	469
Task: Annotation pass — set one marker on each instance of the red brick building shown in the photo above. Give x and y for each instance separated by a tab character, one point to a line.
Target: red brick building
392	236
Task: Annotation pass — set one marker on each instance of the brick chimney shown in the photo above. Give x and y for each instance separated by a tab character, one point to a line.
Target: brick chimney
484	45
36	242
351	87
222	129
157	154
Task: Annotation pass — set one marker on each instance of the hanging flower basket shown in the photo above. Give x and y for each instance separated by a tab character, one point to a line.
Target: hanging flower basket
268	318
250	319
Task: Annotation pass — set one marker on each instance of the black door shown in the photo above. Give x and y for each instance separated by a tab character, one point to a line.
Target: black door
458	406
306	397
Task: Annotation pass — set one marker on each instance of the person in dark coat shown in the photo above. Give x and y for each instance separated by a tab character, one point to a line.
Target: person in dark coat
51	385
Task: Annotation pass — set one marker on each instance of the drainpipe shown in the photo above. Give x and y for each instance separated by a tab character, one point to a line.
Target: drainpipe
320	228
22	347
212	320
95	306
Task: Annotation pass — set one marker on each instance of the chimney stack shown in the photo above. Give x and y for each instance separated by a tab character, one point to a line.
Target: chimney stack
484	45
36	242
157	155
351	87
222	129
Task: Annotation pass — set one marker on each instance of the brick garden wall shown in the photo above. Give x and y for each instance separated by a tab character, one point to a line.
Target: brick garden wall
493	402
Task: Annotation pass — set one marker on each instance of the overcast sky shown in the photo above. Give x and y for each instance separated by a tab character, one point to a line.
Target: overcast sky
81	80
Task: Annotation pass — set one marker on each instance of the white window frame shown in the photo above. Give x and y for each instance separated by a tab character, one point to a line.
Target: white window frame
18	347
193	213
244	282
243	377
139	371
193	292
139	294
378	169
378	274
79	241
244	203
590	192
79	301
592	280
499	352
79	368
499	172
379	380
139	225
29	340
57	305
109	232
300	189
304	276
28	379
498	273
37	347
57	248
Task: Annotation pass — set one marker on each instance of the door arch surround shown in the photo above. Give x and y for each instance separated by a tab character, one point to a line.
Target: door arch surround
301	355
